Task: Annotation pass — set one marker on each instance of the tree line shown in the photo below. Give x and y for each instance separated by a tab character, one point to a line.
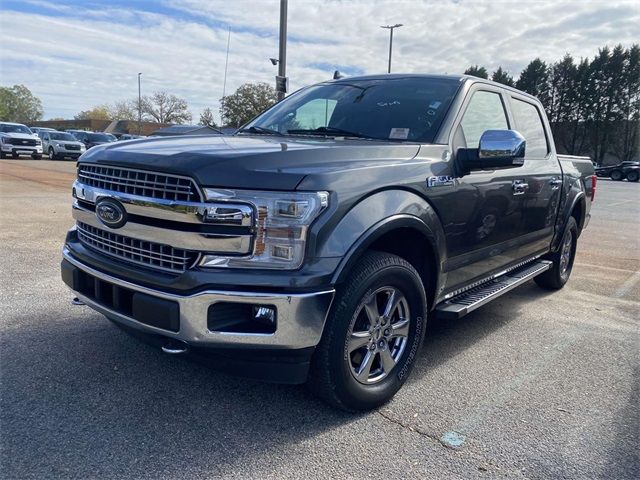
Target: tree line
593	104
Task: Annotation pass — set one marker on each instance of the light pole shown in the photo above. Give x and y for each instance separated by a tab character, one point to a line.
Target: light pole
139	107
390	27
282	54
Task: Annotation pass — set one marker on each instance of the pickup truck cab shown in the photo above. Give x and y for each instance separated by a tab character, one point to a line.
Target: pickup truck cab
313	244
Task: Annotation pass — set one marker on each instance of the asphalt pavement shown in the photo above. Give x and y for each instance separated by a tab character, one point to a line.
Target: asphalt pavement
533	385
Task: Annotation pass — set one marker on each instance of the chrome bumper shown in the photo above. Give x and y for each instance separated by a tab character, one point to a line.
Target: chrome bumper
300	317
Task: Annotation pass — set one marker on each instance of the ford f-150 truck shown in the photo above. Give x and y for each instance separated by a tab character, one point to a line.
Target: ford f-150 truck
313	245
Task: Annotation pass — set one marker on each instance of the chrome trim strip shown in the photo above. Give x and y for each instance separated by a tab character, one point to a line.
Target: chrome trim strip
301	317
177	211
214	243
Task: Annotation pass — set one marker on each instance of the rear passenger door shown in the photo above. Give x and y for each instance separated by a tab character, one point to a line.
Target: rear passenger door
542	176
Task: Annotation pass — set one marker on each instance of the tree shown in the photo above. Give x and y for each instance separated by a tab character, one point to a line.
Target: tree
163	107
477	71
206	118
100	112
18	104
533	79
246	102
124	110
502	76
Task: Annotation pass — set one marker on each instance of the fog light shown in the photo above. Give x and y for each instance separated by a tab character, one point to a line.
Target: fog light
265	314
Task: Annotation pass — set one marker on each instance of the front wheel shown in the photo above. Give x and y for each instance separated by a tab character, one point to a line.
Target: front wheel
616	175
36	156
52	154
633	176
558	275
372	336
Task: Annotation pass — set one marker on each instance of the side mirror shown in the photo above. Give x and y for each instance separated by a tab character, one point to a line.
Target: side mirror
497	149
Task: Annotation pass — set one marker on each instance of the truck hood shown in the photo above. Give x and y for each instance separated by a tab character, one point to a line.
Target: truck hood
23	136
251	162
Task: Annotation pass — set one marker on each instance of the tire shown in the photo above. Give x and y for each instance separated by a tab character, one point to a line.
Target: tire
2	154
558	275
36	156
15	155
338	360
52	154
616	175
633	176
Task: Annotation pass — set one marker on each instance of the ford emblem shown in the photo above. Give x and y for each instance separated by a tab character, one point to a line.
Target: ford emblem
111	212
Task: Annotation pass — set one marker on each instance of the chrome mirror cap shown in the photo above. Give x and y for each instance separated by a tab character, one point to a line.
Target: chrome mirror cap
505	144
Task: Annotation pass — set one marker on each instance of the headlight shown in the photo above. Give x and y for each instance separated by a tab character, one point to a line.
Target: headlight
59	145
281	221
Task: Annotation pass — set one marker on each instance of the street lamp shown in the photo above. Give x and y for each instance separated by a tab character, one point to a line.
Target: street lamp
390	27
139	107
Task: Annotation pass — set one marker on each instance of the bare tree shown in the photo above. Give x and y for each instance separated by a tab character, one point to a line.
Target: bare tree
163	107
206	118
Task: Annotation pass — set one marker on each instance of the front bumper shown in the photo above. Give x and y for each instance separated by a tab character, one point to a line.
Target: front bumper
300	316
20	149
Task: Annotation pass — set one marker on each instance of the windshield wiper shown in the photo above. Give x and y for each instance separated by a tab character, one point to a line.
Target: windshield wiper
329	131
260	131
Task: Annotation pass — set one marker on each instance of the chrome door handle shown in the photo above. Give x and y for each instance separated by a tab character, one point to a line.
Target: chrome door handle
555	182
519	187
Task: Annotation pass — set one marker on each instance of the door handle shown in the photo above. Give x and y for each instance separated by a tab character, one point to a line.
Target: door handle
519	187
555	182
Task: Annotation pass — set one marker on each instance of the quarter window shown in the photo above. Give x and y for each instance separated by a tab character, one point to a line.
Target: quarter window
529	124
484	112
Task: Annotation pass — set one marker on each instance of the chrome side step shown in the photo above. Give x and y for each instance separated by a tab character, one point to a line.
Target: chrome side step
468	301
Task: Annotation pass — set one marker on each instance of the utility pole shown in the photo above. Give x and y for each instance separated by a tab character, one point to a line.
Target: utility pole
282	60
139	107
390	27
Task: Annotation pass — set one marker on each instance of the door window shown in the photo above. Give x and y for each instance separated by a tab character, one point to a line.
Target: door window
484	112
529	124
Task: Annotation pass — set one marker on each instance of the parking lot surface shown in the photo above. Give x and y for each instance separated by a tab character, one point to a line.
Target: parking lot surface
533	385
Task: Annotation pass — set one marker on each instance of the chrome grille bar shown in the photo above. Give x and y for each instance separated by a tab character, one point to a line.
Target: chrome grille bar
139	182
150	254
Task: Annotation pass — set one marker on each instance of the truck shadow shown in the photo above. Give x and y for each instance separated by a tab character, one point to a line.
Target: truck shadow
82	399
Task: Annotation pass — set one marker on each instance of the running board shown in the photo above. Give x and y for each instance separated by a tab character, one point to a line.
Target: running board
468	301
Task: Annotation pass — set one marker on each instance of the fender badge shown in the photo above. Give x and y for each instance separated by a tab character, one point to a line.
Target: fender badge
439	181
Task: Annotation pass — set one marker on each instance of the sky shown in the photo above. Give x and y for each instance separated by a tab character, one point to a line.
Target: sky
76	54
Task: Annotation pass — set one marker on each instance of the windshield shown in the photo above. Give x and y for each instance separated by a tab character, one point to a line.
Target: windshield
62	136
409	108
98	137
15	129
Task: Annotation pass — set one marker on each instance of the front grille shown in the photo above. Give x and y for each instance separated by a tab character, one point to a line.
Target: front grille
72	147
139	182
21	141
150	254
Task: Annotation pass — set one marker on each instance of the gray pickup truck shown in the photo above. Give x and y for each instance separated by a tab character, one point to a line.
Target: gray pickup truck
314	244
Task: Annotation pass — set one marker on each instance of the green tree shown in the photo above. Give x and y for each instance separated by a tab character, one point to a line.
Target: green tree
206	118
246	103
99	112
18	104
625	144
534	78
477	71
502	76
163	107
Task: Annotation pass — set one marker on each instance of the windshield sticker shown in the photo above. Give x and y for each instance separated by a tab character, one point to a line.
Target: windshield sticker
435	104
399	133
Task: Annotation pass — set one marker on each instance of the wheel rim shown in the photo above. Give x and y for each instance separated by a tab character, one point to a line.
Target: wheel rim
378	335
565	254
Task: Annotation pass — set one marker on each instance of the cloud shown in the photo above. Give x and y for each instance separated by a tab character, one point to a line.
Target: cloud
75	54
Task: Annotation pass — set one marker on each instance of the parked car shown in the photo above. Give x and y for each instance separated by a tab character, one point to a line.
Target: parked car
91	139
628	170
38	130
60	145
128	136
313	245
16	139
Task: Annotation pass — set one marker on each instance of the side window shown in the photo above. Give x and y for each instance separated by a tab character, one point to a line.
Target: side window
484	112
314	114
529	124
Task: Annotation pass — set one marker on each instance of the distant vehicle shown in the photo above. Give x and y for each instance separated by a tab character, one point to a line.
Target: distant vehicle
112	137
38	130
60	145
16	139
128	136
628	170
91	139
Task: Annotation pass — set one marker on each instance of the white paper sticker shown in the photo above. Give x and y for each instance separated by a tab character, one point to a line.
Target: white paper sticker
435	104
399	133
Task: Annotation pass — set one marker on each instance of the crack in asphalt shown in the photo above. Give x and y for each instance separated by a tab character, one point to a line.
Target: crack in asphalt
413	428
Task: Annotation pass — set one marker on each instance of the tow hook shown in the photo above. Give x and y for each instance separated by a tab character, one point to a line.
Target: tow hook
175	347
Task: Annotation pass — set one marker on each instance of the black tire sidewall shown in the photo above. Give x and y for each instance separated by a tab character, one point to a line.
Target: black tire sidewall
618	174
633	176
369	396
